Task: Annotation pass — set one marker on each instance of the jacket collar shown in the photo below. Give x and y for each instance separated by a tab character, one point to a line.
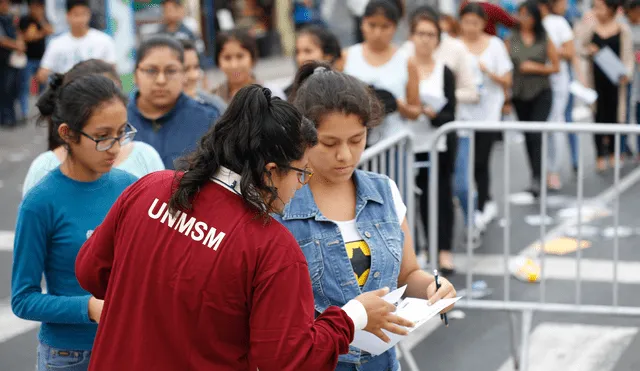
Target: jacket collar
227	179
303	206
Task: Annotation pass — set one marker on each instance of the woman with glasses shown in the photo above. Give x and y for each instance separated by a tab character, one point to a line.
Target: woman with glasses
165	117
196	275
58	215
438	98
137	158
351	224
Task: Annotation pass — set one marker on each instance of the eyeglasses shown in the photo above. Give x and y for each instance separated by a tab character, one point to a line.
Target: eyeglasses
422	35
154	73
303	174
105	144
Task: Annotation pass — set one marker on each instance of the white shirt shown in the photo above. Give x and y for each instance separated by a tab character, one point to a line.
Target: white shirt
421	128
497	61
65	51
559	31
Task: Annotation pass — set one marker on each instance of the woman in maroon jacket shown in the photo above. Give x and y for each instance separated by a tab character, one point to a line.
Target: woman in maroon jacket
196	275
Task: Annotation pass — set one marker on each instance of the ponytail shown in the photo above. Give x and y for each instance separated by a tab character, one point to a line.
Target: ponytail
46	105
254	131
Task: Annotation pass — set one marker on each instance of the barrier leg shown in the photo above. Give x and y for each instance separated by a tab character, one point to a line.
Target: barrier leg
527	318
408	357
513	320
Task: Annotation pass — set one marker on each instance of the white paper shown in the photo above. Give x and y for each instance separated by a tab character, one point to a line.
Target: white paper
225	20
537	220
416	310
610	64
394	296
583	93
436	103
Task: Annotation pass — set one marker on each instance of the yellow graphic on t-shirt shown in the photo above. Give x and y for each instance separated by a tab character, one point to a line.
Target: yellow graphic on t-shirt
360	256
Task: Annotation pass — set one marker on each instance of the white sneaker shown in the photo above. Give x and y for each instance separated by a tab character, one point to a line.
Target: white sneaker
478	221
490	212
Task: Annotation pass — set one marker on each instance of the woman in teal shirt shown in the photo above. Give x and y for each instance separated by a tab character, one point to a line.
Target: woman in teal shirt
58	215
350	223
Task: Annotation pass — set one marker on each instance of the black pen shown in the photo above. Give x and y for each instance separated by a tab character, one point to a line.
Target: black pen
442	316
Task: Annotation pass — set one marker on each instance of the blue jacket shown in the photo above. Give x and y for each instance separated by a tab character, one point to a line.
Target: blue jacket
176	133
332	275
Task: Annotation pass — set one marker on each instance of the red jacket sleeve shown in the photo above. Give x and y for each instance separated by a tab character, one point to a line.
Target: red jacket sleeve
95	259
284	335
497	15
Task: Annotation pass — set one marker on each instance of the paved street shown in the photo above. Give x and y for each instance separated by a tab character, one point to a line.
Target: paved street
476	340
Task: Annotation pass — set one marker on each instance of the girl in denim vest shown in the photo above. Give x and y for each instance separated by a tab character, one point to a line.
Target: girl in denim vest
350	223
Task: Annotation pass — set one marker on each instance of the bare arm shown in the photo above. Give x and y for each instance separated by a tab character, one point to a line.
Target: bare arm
535	68
411	109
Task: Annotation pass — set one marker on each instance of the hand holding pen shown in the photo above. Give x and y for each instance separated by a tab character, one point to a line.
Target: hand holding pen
441	288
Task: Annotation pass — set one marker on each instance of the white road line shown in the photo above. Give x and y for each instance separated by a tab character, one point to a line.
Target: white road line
572	347
10	325
603	198
556	268
6	240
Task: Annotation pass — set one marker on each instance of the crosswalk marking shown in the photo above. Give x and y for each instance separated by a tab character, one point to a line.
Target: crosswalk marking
573	347
10	325
6	240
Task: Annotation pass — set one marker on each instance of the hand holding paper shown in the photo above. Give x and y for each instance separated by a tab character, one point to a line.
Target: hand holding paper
416	310
380	320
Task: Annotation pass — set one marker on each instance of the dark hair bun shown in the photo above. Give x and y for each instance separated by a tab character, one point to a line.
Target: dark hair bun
267	94
56	81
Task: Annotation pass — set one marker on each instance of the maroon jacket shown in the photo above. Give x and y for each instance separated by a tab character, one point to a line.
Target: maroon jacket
212	289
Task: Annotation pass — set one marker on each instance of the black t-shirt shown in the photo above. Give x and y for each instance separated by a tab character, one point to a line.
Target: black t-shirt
35	50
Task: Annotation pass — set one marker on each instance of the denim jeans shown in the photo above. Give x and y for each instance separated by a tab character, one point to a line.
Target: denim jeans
383	362
26	74
58	359
461	182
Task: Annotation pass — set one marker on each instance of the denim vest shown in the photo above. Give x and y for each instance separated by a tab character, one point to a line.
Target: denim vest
332	276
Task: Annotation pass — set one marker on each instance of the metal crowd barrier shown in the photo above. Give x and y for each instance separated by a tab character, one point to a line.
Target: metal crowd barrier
527	308
393	156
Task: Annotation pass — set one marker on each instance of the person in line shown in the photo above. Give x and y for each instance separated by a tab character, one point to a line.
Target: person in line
534	59
34	28
194	77
561	34
236	56
493	76
436	83
604	30
316	43
358	9
379	63
449	26
10	42
165	117
219	284
135	157
351	224
58	215
456	57
78	44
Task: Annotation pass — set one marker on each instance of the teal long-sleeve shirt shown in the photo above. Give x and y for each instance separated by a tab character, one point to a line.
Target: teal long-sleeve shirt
54	219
